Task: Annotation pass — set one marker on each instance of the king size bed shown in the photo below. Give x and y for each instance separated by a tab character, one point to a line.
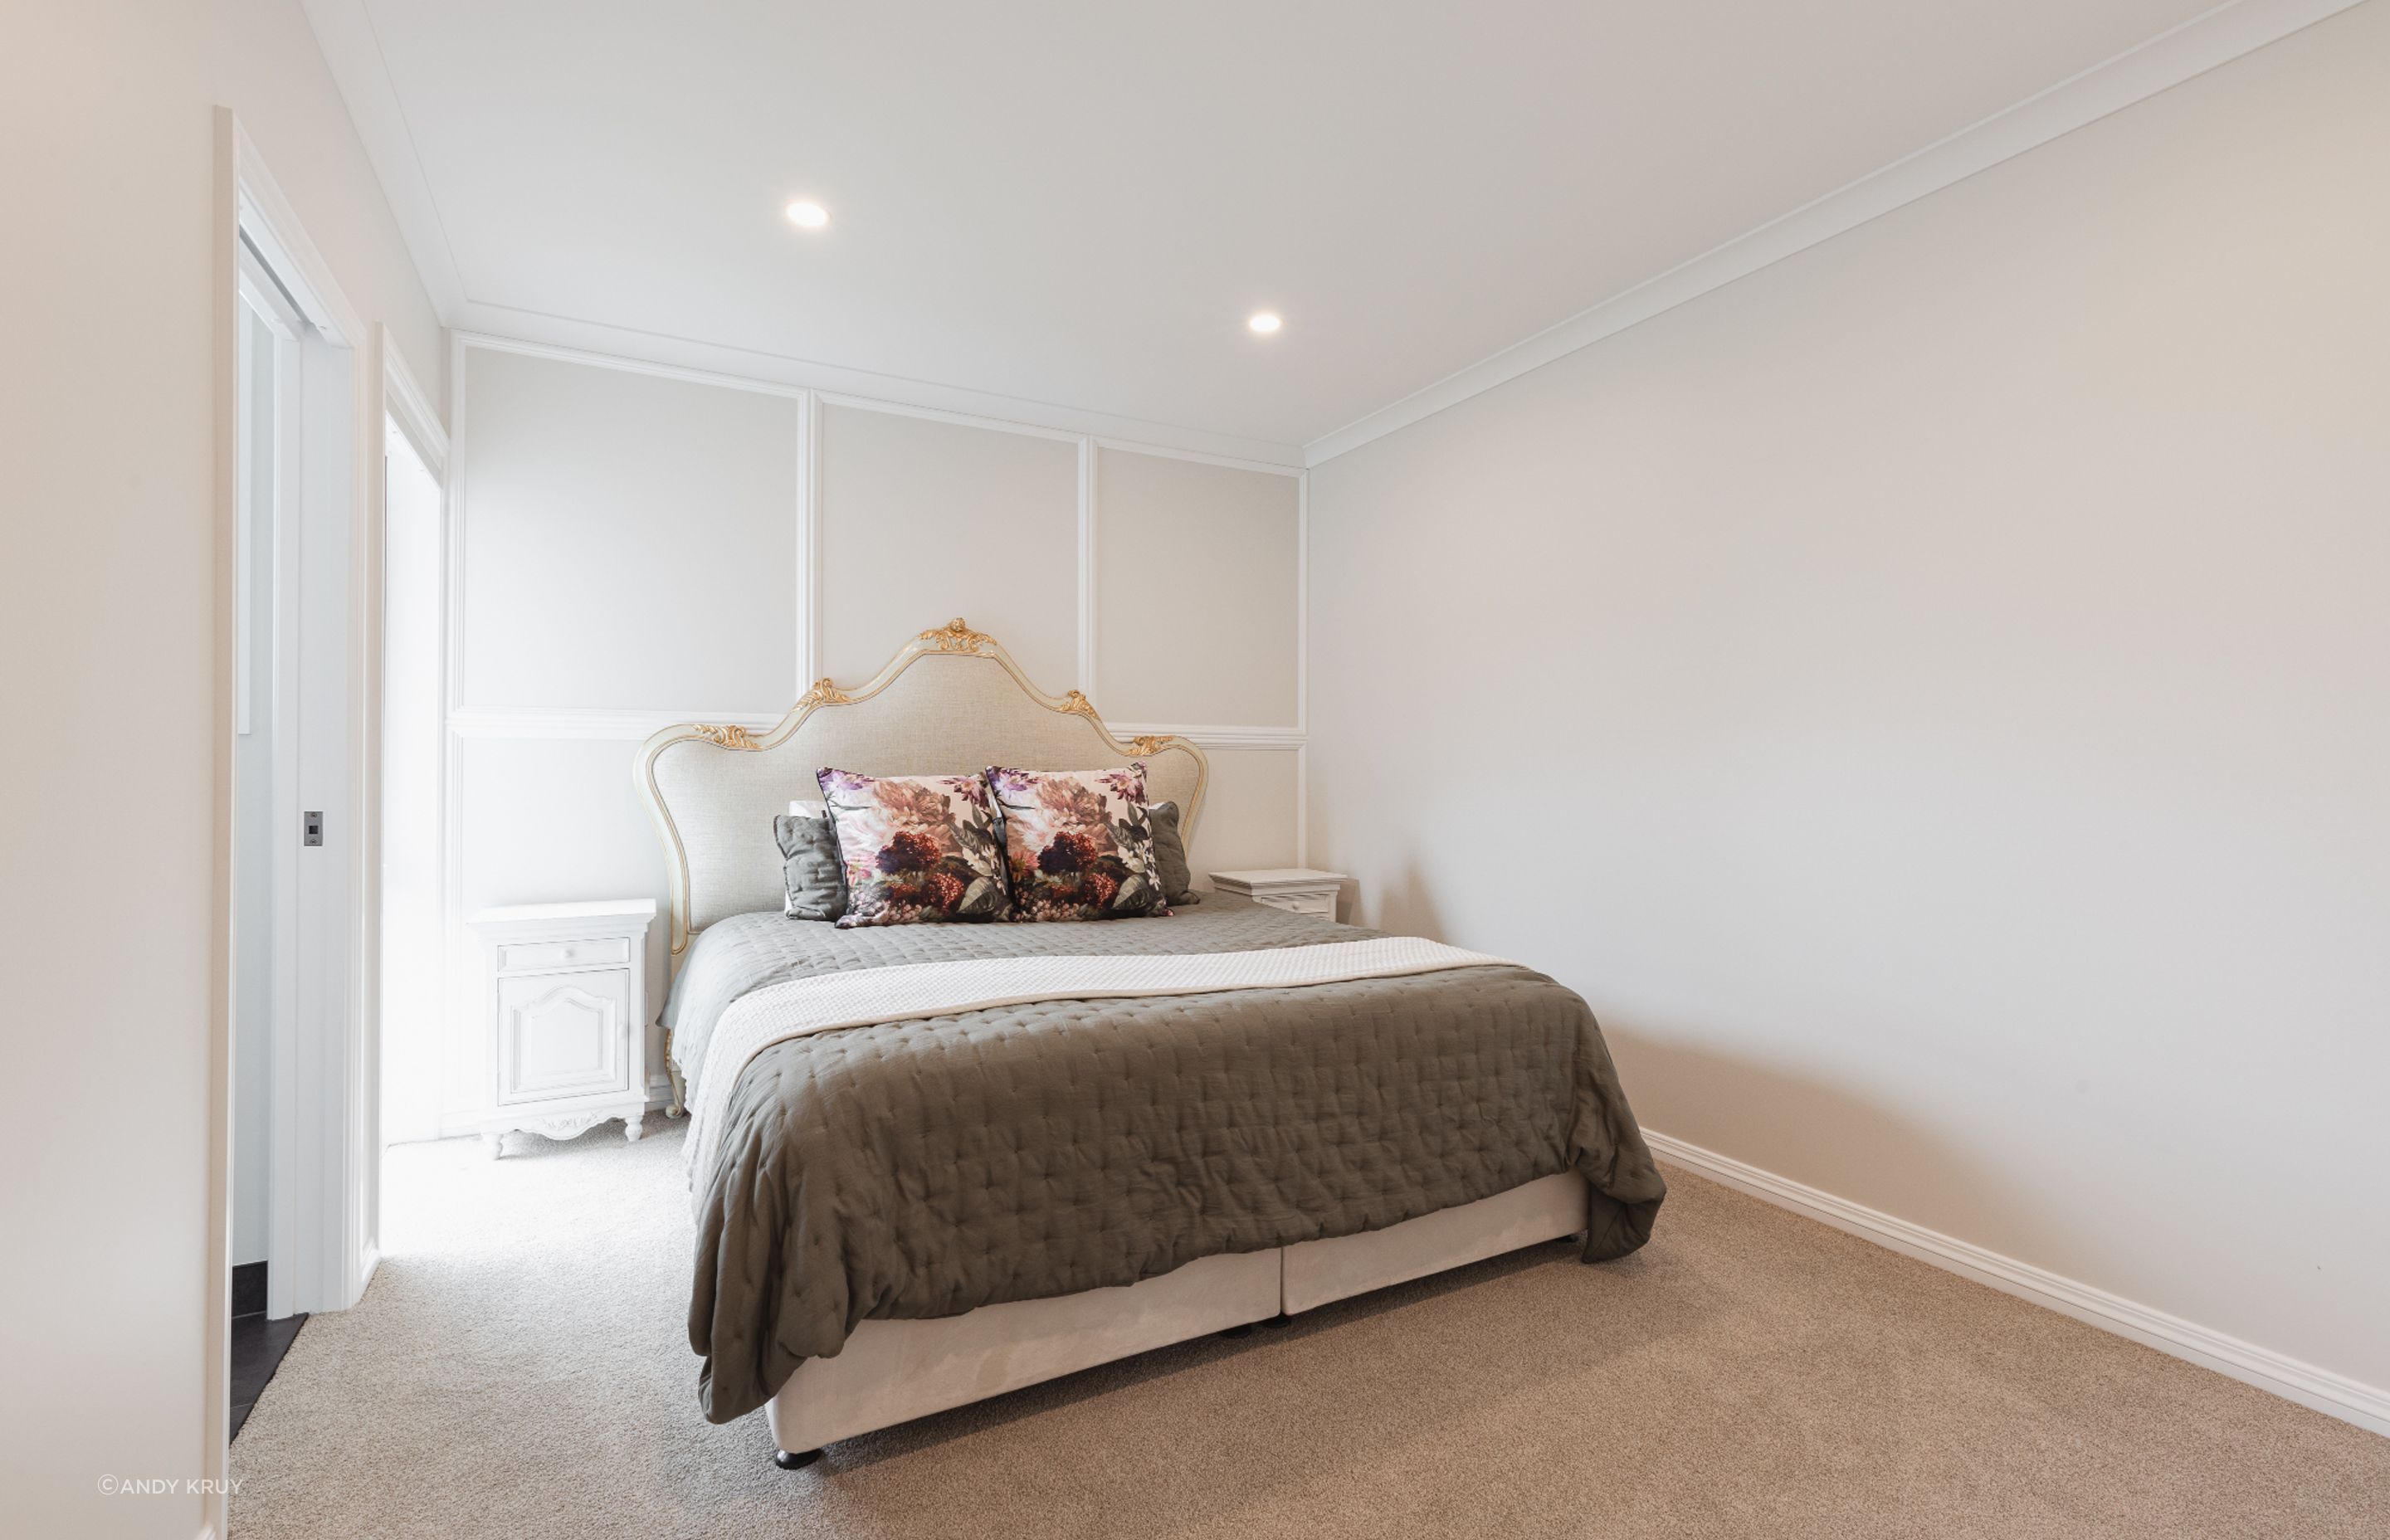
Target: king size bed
936	1162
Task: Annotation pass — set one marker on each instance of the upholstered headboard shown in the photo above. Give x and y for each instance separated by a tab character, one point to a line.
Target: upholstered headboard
951	703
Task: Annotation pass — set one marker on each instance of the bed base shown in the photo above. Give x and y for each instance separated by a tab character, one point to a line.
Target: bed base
895	1371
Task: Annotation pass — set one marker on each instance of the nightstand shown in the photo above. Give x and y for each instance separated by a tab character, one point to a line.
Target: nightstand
567	1040
1297	888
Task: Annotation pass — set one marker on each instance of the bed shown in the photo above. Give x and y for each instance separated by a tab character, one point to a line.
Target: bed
932	1163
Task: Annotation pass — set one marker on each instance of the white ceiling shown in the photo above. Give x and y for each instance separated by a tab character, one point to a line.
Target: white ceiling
1078	205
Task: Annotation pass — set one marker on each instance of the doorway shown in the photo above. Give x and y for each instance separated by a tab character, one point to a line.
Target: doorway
267	837
300	1235
413	738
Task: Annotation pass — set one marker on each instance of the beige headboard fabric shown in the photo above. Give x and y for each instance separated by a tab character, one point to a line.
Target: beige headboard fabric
951	703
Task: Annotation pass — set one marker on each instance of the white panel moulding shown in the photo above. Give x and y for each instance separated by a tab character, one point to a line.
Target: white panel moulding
679	357
1090	508
533	722
1213	738
522	722
808	543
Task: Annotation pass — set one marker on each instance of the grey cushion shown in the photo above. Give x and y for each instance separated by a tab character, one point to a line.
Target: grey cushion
815	882
1170	855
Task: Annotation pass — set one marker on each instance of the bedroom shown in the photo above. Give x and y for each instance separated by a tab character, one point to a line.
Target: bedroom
1843	544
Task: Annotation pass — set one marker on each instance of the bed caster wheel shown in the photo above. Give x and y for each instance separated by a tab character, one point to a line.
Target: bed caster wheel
1236	1331
1280	1322
797	1461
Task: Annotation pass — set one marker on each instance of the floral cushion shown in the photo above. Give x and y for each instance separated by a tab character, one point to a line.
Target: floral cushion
1078	844
916	849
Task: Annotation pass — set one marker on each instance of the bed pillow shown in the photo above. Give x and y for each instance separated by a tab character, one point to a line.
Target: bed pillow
1170	855
1078	844
814	885
915	850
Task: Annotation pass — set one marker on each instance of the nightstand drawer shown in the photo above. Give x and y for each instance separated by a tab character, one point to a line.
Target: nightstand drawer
1320	904
562	1035
538	955
1297	889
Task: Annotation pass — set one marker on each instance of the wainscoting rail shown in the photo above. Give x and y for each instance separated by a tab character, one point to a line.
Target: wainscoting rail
599	724
2333	1394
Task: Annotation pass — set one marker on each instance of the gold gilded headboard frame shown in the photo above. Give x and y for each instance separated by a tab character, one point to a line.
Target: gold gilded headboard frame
954	637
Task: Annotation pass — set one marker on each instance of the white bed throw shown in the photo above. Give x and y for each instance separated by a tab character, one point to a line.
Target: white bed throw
912	991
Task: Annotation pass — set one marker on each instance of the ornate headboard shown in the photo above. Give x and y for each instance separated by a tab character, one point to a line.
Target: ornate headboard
951	703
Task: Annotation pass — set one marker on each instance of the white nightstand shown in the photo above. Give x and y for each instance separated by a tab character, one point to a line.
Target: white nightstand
568	1039
1298	889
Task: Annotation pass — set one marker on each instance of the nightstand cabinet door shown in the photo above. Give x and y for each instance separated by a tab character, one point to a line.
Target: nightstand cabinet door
561	1034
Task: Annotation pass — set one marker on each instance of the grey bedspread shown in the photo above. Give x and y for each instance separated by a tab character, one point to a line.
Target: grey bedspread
926	1168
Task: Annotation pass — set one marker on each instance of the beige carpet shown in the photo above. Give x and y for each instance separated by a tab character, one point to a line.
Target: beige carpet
519	1368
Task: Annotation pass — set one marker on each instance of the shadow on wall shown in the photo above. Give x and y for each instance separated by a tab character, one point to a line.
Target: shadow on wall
1404	907
1821	1134
1792	1125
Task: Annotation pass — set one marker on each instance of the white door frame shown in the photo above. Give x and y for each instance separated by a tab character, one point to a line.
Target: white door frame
264	299
328	1166
409	412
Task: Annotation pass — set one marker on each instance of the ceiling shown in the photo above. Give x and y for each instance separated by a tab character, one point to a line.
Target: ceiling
1078	205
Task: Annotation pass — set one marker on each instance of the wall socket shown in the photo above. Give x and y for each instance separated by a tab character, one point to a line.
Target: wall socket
312	830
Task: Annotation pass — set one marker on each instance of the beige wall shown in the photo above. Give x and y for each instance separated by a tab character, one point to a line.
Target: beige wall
108	374
922	520
1933	698
601	498
635	553
1197	599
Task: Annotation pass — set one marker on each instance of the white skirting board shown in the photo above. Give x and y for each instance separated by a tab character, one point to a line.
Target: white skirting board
2335	1395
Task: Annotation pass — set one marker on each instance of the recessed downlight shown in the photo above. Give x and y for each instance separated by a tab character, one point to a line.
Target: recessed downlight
1264	321
808	214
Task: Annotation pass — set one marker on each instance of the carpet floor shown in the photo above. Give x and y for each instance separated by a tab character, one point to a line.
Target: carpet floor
519	1368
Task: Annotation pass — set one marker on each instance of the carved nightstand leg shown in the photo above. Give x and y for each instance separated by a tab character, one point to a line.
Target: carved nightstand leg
494	1145
634	1127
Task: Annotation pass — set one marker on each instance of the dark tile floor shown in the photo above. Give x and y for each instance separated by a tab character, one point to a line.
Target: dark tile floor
258	1345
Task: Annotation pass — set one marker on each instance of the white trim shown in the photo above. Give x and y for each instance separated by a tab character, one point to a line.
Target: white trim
1211	737
1273	460
269	222
633	725
559	354
754	368
2193	49
325	1161
1303	668
1303	804
2333	1394
951	418
1090	509
1163	451
808	540
406	406
595	723
456	975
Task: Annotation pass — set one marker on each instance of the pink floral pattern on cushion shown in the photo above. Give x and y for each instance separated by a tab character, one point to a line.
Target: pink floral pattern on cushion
916	849
1078	844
